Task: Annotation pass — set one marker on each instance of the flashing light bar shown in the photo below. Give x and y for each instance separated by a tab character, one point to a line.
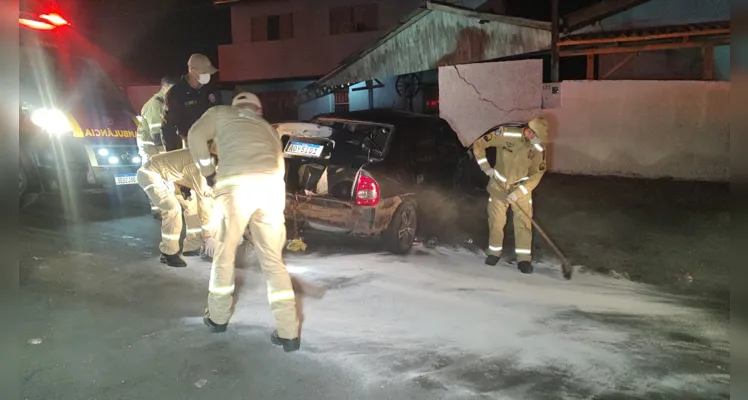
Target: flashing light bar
50	22
55	19
39	25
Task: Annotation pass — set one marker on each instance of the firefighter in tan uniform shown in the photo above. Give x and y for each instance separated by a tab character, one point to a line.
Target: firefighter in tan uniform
520	164
159	177
149	129
249	189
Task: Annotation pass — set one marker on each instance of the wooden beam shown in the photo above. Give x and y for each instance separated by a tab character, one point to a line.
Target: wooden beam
555	70
597	12
646	47
683	35
708	60
590	67
619	65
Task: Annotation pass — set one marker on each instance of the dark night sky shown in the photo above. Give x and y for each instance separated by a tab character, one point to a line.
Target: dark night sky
155	37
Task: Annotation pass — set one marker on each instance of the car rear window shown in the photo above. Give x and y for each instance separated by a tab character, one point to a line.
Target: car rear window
356	133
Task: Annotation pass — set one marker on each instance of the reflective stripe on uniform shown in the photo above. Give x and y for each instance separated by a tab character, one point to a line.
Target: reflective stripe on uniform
482	161
197	230
221	289
205	161
498	175
281	295
495	248
148	143
523	189
167	236
522	251
154	126
539	147
527	178
512	134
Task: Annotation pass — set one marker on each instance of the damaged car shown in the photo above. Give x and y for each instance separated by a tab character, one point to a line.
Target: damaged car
358	173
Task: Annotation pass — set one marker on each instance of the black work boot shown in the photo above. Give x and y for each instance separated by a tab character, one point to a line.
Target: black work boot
492	260
172	260
214	327
525	267
289	345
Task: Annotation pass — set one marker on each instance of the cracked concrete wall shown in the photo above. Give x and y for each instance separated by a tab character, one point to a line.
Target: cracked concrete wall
473	98
644	129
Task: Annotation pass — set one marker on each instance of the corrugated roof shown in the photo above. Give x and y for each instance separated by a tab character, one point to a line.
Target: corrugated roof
660	32
436	35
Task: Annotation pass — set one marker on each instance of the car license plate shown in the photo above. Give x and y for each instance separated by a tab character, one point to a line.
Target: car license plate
304	149
125	179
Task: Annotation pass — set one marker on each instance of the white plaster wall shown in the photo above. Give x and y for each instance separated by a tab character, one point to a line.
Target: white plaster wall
473	98
648	129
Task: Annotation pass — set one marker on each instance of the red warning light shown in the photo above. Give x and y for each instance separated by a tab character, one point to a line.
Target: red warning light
55	19
30	23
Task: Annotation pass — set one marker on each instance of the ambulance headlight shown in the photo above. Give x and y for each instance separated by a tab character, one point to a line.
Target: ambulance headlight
136	160
113	160
103	152
51	120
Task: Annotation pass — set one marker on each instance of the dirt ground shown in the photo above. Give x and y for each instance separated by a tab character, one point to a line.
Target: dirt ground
669	233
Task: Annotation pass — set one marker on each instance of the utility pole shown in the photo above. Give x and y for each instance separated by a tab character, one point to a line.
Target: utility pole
554	41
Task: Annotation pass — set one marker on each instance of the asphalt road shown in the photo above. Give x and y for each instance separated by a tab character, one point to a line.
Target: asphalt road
105	320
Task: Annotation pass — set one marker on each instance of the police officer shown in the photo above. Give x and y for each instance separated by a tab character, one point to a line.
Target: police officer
249	189
520	164
159	177
188	100
149	130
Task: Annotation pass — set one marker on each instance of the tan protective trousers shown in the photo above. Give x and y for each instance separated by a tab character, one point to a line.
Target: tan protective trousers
193	239
161	194
522	227
146	151
258	201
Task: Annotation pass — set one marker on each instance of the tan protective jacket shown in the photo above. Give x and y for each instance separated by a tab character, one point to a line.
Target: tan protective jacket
177	166
246	145
152	112
519	165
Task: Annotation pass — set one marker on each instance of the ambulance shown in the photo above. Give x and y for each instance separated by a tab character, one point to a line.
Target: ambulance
77	128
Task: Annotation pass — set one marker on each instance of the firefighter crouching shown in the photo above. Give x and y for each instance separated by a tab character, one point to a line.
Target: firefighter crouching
160	177
249	189
520	164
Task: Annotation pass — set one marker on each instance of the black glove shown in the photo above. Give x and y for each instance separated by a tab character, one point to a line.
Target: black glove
211	180
186	193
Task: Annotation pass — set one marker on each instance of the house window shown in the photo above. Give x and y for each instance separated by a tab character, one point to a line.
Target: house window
350	19
342	104
272	27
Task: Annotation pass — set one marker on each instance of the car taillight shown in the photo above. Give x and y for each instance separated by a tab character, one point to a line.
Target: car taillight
367	191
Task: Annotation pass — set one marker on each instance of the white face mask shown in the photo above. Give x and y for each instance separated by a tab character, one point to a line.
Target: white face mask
203	78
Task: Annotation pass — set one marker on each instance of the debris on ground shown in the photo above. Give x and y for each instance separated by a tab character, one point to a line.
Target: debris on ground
296	245
202	382
615	275
34	341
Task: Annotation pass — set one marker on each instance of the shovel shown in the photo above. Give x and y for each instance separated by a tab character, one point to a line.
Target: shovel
566	267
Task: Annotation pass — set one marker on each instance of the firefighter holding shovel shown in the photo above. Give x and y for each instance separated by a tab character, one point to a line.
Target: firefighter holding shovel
520	164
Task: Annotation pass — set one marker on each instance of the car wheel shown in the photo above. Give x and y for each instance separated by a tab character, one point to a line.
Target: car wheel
400	234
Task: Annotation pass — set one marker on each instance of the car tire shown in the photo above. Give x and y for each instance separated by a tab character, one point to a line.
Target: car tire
401	233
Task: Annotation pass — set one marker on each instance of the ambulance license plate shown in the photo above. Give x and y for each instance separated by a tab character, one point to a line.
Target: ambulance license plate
124	179
304	149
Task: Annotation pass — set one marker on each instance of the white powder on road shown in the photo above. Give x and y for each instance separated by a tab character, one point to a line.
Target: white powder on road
448	322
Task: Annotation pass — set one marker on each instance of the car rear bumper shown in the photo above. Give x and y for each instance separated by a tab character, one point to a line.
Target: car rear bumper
341	217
